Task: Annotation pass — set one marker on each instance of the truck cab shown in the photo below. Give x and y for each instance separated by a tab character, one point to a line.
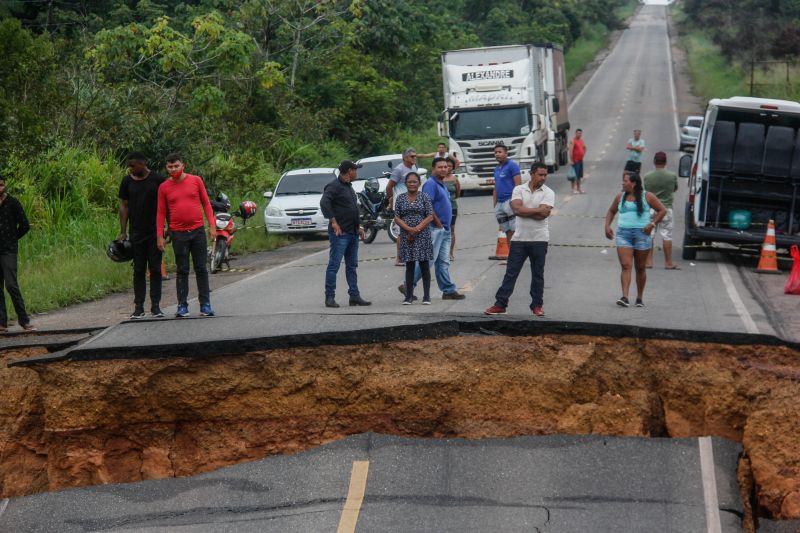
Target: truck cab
492	95
744	173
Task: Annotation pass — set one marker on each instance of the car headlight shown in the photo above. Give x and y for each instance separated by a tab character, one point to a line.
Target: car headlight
274	211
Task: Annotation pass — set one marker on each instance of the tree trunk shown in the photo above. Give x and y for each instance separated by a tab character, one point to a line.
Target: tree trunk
296	57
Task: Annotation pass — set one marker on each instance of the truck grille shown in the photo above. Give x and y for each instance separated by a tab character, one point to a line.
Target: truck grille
481	159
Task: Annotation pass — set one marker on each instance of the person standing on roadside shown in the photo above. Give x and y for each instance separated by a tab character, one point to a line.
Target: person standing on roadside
663	184
634	232
138	205
532	203
185	197
441	151
13	226
440	233
454	188
340	206
635	148
397	186
414	214
507	175
577	151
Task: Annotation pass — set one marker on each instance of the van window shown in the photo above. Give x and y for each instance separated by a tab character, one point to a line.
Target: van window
695	122
768	118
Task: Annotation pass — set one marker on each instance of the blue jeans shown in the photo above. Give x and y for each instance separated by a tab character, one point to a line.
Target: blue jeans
345	245
634	238
441	261
519	251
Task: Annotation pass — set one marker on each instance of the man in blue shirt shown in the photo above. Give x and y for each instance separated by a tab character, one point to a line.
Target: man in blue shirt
506	176
440	232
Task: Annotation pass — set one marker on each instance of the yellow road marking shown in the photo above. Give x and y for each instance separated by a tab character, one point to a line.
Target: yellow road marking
355	497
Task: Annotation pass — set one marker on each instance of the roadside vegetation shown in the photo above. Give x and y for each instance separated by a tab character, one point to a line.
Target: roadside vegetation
725	41
594	37
245	89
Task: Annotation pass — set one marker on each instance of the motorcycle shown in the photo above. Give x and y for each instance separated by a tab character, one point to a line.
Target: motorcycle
220	251
374	213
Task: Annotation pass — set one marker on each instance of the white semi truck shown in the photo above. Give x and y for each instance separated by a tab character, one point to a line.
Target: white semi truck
500	95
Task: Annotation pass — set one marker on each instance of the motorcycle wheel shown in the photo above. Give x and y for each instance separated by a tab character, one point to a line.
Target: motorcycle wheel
370	233
394	231
218	255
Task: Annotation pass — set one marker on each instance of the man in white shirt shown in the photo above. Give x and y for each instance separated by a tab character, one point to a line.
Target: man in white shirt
532	203
397	186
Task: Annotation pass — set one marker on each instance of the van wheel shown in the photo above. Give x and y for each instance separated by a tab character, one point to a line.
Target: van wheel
688	251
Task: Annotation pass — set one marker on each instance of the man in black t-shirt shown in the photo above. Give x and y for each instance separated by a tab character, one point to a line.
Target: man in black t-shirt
138	202
13	226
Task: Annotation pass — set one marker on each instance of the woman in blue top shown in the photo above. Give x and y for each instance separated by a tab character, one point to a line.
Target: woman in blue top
634	230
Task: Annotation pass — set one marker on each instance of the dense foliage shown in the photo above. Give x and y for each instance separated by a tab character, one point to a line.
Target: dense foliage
246	87
749	29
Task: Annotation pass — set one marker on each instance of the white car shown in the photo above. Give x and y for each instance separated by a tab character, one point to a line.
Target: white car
374	167
294	206
690	131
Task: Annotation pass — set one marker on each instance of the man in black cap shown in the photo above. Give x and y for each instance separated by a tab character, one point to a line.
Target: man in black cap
340	206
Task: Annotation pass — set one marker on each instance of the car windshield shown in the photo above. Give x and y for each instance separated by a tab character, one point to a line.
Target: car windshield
694	122
303	184
489	123
375	169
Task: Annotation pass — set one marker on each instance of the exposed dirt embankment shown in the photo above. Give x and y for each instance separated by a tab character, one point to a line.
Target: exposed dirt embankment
78	423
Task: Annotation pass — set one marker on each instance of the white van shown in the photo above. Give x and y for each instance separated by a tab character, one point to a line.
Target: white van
744	172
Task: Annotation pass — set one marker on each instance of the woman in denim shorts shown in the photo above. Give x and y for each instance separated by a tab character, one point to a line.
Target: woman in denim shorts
634	232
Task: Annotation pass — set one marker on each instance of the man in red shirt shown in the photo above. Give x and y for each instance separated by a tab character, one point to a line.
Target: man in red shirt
184	196
577	151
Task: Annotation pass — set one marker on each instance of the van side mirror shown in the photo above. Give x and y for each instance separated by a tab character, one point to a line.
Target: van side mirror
556	105
268	194
685	166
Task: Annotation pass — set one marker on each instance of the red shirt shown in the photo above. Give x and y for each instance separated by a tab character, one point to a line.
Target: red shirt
578	150
185	200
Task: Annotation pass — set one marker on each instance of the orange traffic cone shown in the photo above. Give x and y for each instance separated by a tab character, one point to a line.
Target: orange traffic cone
768	264
501	251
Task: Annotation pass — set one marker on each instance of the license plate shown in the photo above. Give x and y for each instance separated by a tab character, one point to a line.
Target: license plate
490	181
301	222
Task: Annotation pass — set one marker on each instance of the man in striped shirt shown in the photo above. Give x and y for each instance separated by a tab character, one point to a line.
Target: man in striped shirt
184	196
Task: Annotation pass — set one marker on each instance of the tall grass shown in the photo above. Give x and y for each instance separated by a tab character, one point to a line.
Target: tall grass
714	75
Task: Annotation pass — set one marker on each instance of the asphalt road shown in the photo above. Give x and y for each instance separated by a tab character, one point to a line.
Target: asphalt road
379	483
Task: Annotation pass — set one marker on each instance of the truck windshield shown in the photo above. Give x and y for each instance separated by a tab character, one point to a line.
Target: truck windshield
489	123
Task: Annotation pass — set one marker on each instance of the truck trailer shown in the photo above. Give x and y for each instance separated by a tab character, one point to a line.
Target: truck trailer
554	79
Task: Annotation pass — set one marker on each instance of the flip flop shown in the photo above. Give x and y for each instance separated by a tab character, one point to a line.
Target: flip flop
673	267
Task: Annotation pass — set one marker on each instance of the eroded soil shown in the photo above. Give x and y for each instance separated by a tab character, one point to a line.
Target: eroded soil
79	423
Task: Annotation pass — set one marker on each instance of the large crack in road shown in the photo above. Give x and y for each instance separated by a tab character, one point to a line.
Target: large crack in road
76	423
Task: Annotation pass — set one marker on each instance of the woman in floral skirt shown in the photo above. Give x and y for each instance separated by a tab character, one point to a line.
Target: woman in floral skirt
414	214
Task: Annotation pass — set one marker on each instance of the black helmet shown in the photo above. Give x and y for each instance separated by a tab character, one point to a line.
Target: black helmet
120	251
372	186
